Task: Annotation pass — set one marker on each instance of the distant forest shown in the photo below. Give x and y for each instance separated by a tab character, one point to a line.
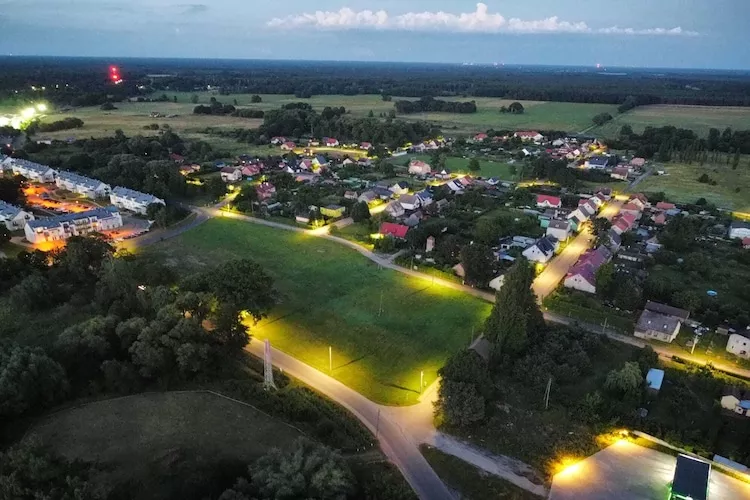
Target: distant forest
77	82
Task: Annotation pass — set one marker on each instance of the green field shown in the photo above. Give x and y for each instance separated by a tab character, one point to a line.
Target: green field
331	296
154	444
732	189
697	118
460	165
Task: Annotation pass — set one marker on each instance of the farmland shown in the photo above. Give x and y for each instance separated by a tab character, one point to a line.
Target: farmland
697	118
732	189
383	327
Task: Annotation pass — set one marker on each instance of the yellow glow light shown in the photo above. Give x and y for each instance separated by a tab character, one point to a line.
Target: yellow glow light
376	236
41	107
28	113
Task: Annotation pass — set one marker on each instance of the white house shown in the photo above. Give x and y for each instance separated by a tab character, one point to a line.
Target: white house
739	230
132	200
395	209
541	251
91	188
13	217
660	322
736	400
739	345
417	167
231	174
529	135
63	227
410	201
582	276
497	283
559	229
32	171
400	188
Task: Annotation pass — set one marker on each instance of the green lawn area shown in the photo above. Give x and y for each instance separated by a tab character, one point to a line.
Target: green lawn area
330	296
157	444
472	483
697	118
460	165
732	189
10	250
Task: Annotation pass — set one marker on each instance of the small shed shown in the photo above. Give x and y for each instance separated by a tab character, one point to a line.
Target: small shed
654	380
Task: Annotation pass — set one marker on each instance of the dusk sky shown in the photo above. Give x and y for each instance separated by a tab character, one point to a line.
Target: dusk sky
646	33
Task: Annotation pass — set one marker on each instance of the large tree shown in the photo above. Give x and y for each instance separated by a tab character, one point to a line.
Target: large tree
465	386
625	381
29	380
360	212
478	264
600	230
516	315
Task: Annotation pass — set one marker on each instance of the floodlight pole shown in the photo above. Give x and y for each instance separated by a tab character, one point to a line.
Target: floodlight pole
546	395
330	359
421	381
695	341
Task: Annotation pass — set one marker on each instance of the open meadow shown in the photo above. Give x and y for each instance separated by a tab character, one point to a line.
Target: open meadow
384	328
697	118
159	444
488	168
680	184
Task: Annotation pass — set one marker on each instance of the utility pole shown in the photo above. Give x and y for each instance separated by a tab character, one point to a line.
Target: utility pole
695	341
377	425
330	359
421	381
380	309
604	328
546	393
472	336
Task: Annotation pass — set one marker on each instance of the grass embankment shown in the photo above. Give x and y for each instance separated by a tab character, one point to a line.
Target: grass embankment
472	483
331	296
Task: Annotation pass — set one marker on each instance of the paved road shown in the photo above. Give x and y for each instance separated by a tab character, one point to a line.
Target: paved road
641	178
398	447
556	270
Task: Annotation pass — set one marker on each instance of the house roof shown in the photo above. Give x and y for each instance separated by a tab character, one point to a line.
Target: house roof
402	184
740	225
651	320
30	165
620	170
559	224
79	180
409	199
598	160
396	230
552	200
667	310
589	263
527	133
101	213
8	211
136	196
691	478
228	170
631	206
546	245
663	205
615	238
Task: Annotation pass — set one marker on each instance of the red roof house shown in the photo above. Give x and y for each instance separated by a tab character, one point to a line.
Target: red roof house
746	243
331	142
176	158
395	230
546	201
663	205
480	137
365	146
288	146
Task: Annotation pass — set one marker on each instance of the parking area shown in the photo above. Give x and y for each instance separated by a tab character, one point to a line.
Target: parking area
627	471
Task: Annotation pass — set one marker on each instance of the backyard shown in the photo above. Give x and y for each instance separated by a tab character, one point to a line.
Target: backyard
383	327
459	165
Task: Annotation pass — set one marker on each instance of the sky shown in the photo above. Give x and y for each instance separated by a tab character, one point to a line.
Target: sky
631	33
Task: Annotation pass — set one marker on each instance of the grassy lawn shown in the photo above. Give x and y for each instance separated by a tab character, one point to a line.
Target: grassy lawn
153	444
331	297
732	189
591	311
472	483
697	118
10	250
460	165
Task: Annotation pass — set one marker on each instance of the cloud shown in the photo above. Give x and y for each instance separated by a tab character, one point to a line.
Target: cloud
197	8
479	21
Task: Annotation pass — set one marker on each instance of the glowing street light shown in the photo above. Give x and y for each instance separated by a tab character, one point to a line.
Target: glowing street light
41	107
28	113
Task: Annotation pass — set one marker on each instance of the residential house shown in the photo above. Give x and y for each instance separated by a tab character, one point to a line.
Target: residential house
653	245
663	205
320	161
230	174
417	167
368	197
638	162
14	218
480	137
529	135
395	209
430	246
265	191
364	162
331	142
250	170
640	200
746	243
654	380
91	188
546	201
441	205
739	345
620	173
425	198
413	220
32	171
398	231
383	193
659	219
190	169
582	276
333	211
459	270
497	283
597	162
179	159
623	223
63	227
366	146
632	257
278	140
660	322
632	209
410	201
736	400
134	201
400	188
350	195
739	230
541	251
288	146
515	242
615	241
559	229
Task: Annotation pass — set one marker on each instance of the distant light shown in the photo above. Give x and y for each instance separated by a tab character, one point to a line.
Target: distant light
28	113
41	107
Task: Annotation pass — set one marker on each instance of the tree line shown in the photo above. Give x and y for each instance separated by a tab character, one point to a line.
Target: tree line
432	105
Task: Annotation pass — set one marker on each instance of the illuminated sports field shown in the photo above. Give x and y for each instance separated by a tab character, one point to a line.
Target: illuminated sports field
331	296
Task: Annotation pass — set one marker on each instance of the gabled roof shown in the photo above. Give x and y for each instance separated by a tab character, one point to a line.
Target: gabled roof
8	211
136	196
667	310
409	199
663	205
553	200
100	213
396	230
559	224
228	170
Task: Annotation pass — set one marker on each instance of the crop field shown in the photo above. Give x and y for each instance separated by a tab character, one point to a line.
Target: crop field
697	118
384	328
732	189
161	443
